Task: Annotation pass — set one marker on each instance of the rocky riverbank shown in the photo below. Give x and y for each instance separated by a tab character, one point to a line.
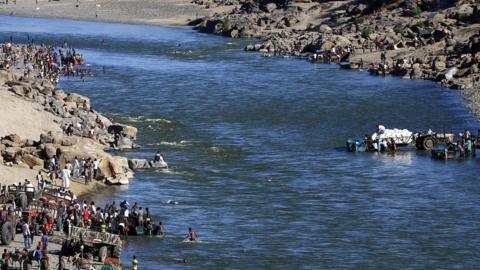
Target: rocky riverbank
417	39
41	122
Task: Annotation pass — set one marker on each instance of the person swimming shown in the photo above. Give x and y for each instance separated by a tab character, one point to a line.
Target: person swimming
161	230
192	235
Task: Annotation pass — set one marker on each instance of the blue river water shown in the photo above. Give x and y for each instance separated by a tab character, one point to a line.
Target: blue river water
256	152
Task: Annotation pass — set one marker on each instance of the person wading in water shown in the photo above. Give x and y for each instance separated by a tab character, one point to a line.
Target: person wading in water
192	235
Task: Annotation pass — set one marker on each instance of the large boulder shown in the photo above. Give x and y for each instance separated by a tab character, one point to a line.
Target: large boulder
323	28
416	73
14	138
115	167
50	138
59	94
462	13
158	164
447	74
116	181
270	7
56	106
17	89
439	65
125	143
128	131
69	141
340	41
11	153
5	76
49	150
81	101
48	86
9	143
33	162
135	164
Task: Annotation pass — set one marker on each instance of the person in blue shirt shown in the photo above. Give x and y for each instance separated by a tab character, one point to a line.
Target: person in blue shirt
44	241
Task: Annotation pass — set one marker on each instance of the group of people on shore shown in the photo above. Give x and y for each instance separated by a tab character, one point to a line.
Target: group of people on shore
41	61
335	55
40	252
88	169
113	218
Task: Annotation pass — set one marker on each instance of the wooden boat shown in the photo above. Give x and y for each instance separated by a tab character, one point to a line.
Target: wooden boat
444	152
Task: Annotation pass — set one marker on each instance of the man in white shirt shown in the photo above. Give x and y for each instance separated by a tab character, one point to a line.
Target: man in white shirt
96	164
69	166
66	178
40	181
26	236
76	167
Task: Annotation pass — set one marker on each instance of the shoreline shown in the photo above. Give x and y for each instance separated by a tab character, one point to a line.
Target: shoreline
173	13
316	36
47	130
62	140
30	16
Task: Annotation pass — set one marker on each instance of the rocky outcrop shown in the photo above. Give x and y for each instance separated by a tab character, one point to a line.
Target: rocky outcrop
75	111
136	164
86	133
419	39
35	154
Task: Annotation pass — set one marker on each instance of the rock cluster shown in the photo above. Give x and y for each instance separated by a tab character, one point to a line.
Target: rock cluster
136	164
417	39
251	19
86	133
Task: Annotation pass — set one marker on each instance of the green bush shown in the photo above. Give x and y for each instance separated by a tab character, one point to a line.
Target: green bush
225	25
366	33
420	24
416	10
398	28
359	20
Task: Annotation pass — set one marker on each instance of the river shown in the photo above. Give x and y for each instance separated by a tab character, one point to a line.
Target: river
256	152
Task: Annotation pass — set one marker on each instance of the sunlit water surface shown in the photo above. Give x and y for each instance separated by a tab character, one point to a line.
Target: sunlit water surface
255	147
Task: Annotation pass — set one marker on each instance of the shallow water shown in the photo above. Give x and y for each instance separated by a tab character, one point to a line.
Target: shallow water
256	150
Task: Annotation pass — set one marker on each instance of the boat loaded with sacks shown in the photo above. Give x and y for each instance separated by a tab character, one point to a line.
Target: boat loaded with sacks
388	139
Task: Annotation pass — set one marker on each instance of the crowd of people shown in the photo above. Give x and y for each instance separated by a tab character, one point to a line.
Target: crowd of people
88	169
50	62
113	218
335	55
42	61
466	145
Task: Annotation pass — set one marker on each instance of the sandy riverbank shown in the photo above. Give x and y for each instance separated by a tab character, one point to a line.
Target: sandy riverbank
155	12
40	123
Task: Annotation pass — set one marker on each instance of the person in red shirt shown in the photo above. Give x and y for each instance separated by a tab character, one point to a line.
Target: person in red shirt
86	215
